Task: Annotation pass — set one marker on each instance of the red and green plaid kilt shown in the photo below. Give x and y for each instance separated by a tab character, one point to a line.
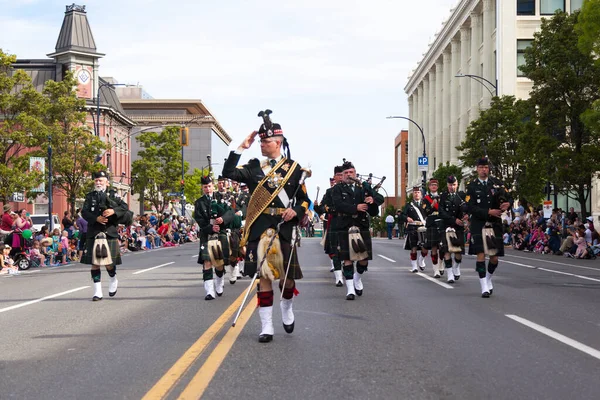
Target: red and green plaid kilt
113	247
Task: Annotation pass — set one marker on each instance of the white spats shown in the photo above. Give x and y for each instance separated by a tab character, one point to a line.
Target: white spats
456	270
287	315
112	286
484	287
358	285
413	265
97	291
436	270
350	287
209	287
235	271
421	262
332	267
488	279
240	268
450	275
219	284
339	280
266	320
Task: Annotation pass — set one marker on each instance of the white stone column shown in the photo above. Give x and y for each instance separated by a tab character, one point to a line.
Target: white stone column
430	134
412	165
476	88
465	83
439	101
425	115
446	139
454	101
489	25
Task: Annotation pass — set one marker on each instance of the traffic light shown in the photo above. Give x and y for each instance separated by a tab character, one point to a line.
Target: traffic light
184	136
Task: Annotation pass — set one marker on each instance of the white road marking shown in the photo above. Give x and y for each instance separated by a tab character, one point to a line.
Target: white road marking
587	278
150	269
386	258
555	262
27	303
557	336
435	280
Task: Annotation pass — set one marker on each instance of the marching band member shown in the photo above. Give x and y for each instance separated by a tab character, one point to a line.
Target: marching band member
414	215
212	218
353	205
273	182
326	206
487	199
432	223
452	211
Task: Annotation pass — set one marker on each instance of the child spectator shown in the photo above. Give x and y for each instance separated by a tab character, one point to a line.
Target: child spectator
36	253
64	247
6	263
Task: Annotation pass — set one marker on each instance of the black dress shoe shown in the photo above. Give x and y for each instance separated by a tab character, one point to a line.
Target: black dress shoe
232	282
456	277
358	292
209	297
485	295
112	294
437	276
491	291
421	268
339	283
350	296
450	281
96	298
289	328
219	294
442	272
264	338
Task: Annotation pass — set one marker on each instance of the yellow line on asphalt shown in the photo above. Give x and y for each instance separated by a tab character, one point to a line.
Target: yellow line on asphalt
176	372
195	389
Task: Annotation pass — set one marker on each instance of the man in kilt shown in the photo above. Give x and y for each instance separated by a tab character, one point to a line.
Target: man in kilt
487	198
102	211
278	200
326	206
452	212
413	216
352	206
228	197
212	217
433	225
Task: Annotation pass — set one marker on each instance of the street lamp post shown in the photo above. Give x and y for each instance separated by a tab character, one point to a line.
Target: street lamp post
481	80
424	151
50	220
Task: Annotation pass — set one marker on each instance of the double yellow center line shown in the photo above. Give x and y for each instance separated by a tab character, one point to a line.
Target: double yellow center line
201	380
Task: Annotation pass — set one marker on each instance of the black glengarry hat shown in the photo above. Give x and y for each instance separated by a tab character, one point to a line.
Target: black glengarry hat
451	179
205	180
483	161
99	174
346	165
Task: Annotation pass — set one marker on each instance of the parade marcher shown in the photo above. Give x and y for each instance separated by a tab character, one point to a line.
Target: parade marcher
433	224
414	215
238	205
487	199
212	217
452	211
278	202
326	206
353	207
103	212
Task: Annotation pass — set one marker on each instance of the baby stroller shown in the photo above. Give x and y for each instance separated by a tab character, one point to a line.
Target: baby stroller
18	252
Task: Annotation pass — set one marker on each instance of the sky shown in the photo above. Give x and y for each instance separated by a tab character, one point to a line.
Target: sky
331	70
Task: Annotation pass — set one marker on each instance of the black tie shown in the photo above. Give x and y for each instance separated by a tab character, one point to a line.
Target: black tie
272	162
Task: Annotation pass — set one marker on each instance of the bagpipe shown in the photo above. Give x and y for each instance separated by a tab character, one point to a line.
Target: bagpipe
366	186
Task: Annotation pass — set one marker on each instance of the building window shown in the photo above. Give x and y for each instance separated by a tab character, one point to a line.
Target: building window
525	7
576	5
522	44
549	7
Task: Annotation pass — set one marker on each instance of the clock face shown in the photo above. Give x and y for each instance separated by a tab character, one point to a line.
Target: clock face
83	76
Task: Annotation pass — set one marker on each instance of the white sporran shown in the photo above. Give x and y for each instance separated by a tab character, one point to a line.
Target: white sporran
101	251
215	251
358	248
453	241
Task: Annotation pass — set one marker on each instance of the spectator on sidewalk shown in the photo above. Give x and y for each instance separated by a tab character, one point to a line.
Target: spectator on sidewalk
572	215
6	224
389	220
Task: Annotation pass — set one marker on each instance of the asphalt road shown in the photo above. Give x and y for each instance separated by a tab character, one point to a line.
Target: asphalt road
407	337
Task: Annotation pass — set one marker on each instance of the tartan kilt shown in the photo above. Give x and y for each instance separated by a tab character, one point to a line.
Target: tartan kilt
476	243
203	253
460	234
343	244
250	263
113	247
433	236
331	242
412	238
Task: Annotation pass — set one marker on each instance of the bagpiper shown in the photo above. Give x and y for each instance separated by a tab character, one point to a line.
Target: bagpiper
414	216
487	199
212	217
452	211
277	203
433	224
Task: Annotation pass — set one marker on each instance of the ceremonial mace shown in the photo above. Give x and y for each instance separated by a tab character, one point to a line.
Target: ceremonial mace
305	174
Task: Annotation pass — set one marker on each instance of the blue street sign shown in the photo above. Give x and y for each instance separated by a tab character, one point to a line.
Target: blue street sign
174	194
424	161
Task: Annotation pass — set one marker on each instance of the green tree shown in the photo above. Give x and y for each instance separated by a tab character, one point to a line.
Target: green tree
566	82
21	128
74	147
588	28
443	172
158	169
507	131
